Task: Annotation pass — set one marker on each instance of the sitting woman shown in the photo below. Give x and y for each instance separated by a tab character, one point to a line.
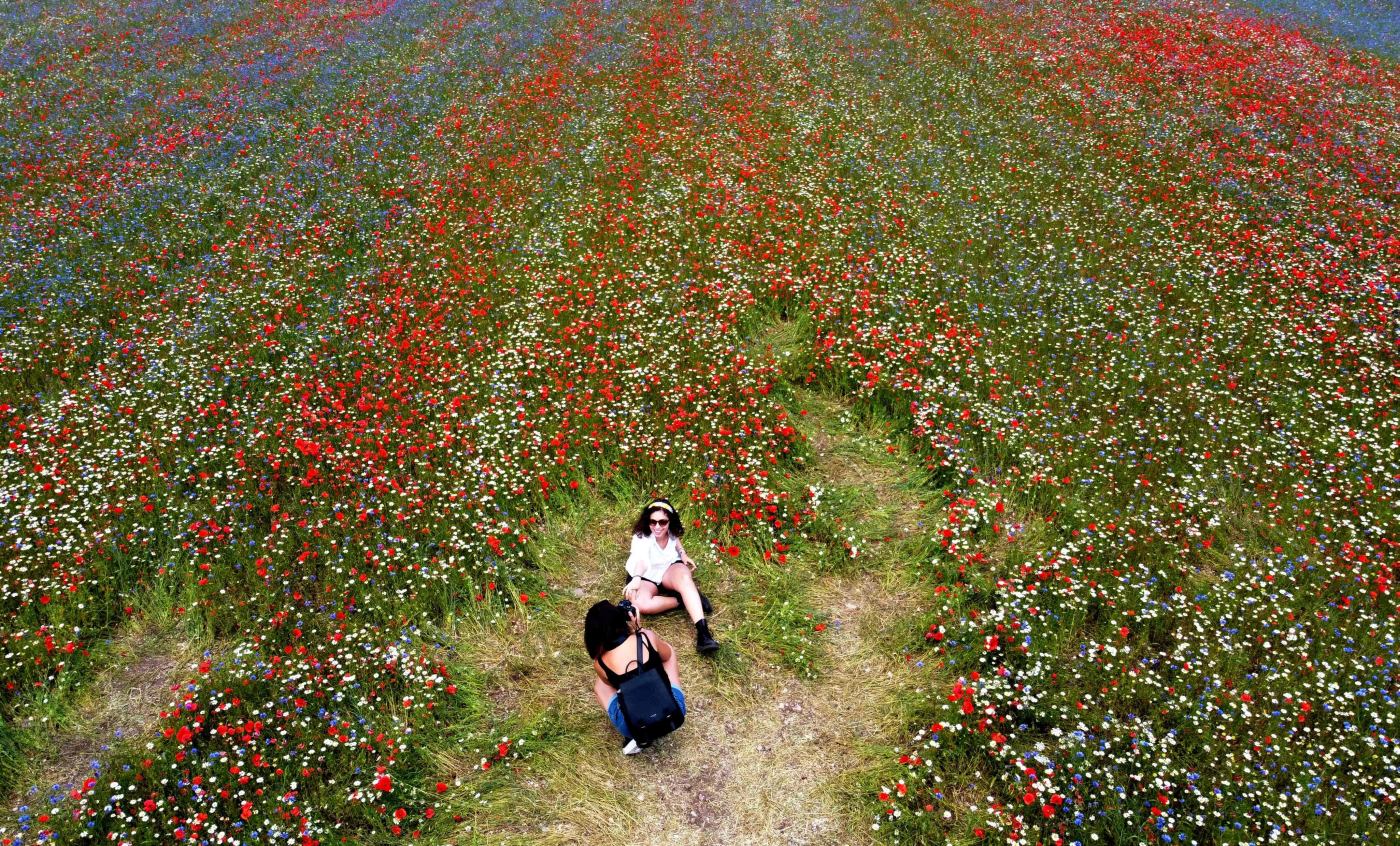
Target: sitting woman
658	565
610	634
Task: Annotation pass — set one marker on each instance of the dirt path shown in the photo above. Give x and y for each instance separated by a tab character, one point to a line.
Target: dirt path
765	757
762	758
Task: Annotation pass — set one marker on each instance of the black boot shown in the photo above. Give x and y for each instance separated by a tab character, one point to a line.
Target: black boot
705	642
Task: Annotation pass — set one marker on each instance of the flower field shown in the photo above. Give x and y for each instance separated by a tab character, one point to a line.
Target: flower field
311	311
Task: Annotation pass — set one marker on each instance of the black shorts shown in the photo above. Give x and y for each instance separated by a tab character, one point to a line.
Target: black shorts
628	578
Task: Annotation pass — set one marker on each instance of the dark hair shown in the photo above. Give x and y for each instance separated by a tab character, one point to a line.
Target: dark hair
605	624
642	528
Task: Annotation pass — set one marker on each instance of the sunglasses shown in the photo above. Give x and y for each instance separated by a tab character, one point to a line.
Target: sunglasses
660	522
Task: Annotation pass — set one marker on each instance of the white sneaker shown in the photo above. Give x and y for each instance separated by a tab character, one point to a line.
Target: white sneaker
631	748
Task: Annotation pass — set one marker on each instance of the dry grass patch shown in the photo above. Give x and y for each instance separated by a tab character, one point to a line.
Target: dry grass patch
760	760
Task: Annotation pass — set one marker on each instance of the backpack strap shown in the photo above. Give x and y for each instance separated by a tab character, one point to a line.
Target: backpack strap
640	638
638	662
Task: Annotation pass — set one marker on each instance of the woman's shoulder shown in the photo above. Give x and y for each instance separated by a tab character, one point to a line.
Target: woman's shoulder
625	653
629	644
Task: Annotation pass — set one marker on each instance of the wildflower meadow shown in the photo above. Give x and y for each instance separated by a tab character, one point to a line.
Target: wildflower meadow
313	312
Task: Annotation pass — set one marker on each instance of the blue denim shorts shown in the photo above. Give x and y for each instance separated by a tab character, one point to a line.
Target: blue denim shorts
615	711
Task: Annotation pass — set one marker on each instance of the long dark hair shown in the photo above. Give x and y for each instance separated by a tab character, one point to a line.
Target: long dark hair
642	528
604	625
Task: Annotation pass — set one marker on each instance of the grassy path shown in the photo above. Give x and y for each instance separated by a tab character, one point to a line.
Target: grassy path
126	695
777	748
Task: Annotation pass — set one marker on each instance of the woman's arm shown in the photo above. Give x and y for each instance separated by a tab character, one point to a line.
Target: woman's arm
685	559
662	647
636	565
636	558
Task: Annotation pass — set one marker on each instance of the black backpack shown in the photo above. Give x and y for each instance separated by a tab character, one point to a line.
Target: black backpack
649	707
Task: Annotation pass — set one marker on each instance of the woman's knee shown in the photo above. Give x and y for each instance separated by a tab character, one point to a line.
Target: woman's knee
678	577
644	593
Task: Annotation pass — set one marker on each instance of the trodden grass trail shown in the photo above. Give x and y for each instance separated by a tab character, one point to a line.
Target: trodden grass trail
133	686
776	748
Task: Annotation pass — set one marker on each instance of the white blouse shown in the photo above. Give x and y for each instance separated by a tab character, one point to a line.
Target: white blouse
651	561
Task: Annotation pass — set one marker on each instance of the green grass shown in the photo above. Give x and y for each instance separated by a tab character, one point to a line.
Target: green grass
777	621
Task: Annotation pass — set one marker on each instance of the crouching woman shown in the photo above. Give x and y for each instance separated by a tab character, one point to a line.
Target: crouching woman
611	634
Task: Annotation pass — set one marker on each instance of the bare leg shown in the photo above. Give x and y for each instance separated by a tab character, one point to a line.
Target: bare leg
678	579
661	604
673	669
648	602
604	692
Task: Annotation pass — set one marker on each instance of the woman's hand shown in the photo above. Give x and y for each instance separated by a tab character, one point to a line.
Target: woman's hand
633	588
689	563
